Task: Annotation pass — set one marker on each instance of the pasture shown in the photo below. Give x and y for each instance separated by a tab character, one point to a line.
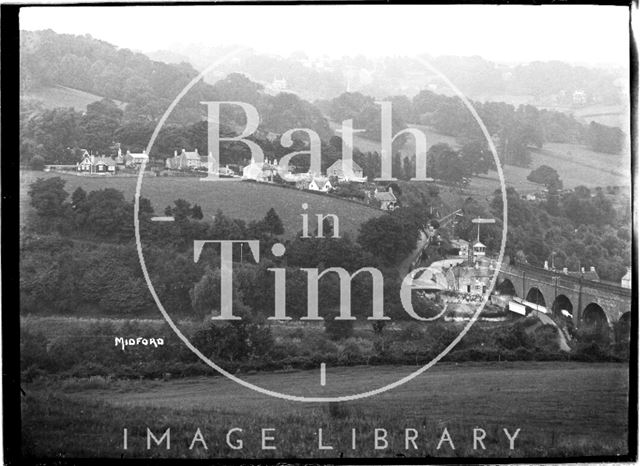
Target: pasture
236	199
576	165
563	410
60	96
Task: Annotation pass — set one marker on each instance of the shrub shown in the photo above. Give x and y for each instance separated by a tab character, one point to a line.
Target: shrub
338	329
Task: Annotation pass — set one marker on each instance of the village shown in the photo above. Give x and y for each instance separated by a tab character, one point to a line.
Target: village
192	163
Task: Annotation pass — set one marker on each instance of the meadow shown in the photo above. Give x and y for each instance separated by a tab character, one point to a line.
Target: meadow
236	199
61	96
575	164
562	409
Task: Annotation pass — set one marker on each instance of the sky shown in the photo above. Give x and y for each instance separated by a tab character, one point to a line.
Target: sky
584	34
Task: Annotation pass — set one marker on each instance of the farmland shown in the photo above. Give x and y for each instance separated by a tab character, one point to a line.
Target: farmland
60	96
575	164
236	199
562	409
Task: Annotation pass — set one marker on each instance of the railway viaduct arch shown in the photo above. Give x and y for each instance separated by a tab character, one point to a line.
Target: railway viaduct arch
587	301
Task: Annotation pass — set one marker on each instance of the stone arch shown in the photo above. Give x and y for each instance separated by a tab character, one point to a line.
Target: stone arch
535	296
562	311
594	322
562	303
623	328
506	287
593	314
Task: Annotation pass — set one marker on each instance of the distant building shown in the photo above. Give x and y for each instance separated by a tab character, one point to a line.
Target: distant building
462	246
590	274
626	280
337	170
579	97
388	201
260	171
320	184
473	280
479	250
186	160
96	165
132	159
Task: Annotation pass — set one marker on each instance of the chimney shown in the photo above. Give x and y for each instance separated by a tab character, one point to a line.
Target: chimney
592	268
582	269
175	153
565	270
196	150
546	265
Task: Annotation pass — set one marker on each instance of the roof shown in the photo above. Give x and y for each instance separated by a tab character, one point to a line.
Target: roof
338	165
105	160
478	244
385	196
587	275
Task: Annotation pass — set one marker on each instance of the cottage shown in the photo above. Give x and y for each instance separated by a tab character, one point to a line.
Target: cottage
336	169
260	171
186	160
96	165
320	184
387	199
132	159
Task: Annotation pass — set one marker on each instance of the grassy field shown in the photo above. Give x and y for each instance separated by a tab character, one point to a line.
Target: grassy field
236	199
575	164
60	96
562	409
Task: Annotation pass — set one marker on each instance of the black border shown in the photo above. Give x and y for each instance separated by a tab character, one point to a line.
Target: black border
11	391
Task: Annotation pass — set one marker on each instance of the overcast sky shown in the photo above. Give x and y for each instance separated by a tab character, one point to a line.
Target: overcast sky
507	33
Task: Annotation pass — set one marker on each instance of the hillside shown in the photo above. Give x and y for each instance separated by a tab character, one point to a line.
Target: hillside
60	96
237	199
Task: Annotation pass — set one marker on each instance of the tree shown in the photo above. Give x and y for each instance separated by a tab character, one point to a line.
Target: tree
78	196
37	162
547	176
48	196
388	237
272	223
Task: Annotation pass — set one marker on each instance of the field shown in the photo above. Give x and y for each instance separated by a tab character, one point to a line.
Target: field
575	164
563	409
60	96
236	199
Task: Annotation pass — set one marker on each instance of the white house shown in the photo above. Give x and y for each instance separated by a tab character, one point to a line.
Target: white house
259	171
626	280
320	184
96	165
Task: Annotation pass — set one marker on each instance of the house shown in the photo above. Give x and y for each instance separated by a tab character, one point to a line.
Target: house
320	184
186	160
590	274
474	280
96	165
132	159
462	246
387	199
337	170
626	280
260	171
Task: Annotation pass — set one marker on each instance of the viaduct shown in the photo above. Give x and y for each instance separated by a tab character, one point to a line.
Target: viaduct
587	301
